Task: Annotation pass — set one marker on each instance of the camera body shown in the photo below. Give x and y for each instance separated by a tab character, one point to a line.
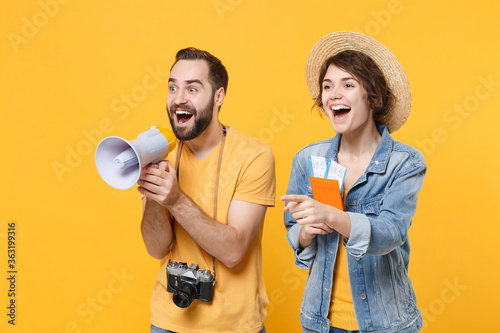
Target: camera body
189	283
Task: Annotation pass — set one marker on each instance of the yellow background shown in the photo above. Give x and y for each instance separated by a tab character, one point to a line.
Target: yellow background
75	71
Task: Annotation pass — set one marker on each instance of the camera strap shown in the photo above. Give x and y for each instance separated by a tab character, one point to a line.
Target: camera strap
217	176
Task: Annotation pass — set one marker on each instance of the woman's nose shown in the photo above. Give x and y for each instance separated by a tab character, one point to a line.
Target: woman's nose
335	93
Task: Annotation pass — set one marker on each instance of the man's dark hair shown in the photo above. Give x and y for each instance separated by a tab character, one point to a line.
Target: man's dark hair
217	73
365	70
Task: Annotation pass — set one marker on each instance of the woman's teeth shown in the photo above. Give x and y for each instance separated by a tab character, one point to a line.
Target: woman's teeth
339	109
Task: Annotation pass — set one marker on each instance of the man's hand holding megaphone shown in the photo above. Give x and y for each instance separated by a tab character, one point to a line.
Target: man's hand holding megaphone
159	183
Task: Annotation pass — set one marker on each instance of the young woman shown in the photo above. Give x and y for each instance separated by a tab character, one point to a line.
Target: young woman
357	257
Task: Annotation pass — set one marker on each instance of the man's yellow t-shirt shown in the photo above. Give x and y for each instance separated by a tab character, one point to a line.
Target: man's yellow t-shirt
240	301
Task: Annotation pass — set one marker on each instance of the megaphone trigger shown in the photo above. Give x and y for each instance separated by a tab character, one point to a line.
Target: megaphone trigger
119	162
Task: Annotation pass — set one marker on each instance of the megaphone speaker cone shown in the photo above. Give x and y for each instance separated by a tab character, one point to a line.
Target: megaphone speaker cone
106	153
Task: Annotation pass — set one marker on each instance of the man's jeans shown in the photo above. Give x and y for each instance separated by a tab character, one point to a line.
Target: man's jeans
155	329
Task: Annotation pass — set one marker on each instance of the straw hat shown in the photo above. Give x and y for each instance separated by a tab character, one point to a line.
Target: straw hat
394	73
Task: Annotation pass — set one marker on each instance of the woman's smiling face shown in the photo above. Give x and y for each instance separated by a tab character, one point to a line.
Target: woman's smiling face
345	101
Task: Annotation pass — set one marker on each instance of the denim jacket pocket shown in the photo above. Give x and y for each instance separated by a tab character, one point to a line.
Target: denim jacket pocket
371	206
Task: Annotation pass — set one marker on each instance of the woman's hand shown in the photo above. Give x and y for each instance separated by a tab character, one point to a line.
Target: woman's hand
306	210
309	231
317	217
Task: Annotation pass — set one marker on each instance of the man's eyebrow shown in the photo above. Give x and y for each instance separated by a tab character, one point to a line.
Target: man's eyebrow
173	80
194	81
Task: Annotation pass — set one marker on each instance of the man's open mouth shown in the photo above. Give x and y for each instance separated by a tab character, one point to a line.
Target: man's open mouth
183	116
340	110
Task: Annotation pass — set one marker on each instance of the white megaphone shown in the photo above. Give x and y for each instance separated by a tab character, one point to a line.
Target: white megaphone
120	162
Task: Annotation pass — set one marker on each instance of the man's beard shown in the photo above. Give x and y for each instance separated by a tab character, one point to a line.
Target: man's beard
202	119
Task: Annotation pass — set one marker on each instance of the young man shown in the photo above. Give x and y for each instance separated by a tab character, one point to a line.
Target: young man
205	205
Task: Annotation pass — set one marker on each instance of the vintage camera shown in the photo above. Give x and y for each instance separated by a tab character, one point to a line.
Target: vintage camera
188	283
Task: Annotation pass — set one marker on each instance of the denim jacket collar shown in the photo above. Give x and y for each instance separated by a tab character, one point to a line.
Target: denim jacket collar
380	158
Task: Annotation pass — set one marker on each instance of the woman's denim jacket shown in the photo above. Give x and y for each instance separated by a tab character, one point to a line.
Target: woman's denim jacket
381	205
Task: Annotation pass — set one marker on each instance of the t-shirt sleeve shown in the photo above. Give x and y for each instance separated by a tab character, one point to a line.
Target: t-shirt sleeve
257	180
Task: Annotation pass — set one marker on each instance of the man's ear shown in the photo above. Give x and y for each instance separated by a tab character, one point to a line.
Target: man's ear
219	96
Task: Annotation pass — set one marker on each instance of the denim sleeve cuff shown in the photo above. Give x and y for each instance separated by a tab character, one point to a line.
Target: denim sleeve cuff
303	257
359	239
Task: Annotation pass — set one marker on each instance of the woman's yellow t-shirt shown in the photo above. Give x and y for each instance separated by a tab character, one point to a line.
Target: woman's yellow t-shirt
341	313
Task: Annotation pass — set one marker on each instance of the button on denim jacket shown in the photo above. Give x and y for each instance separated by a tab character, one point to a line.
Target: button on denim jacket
381	205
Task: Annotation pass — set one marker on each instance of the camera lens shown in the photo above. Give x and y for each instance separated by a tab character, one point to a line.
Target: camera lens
184	295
